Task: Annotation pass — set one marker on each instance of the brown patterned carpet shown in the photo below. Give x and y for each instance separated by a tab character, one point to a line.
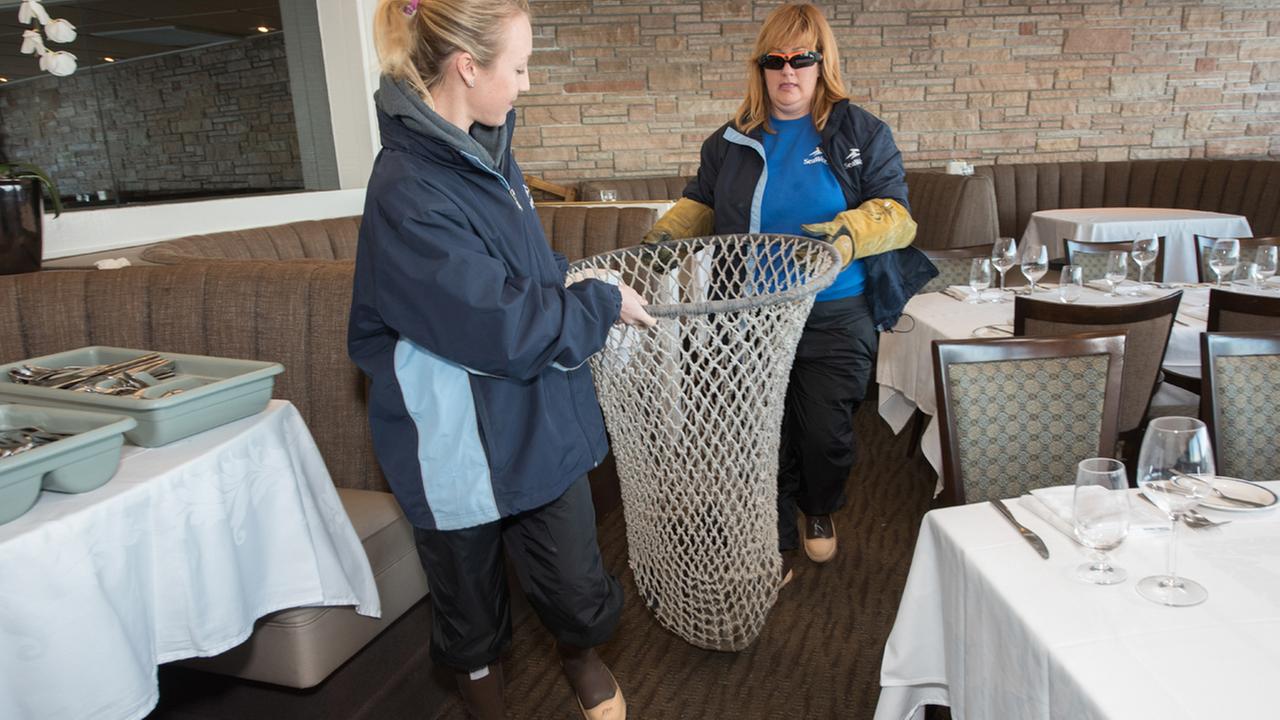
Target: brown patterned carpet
818	657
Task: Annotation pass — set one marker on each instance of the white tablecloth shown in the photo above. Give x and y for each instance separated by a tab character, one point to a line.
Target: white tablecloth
904	367
1123	224
175	557
992	630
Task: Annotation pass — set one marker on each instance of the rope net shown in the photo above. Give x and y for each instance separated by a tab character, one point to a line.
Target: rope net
694	411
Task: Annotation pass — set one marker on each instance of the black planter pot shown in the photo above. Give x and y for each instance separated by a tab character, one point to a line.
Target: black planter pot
21	226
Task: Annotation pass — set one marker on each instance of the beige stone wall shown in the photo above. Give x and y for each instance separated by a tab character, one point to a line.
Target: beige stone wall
631	87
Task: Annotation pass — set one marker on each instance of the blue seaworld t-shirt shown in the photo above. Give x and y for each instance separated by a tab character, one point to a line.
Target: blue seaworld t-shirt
801	189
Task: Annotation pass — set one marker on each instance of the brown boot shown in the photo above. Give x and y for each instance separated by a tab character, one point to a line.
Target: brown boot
483	696
599	697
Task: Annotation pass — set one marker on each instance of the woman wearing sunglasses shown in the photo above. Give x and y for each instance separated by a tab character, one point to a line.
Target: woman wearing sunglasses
798	157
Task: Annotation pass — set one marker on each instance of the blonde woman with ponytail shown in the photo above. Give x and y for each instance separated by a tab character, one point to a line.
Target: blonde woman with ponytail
481	404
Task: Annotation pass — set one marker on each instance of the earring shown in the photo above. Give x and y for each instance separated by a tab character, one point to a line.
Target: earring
471	83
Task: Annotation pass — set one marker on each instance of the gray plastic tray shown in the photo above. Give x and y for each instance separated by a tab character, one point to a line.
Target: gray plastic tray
74	464
215	391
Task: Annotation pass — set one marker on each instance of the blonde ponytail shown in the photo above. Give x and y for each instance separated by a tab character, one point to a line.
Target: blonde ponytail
414	38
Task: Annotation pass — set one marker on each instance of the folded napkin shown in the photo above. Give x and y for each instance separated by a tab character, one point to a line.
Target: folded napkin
1122	287
1053	505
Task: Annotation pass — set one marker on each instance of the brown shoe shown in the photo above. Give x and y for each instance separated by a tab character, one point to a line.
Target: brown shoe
587	675
819	538
615	708
787	574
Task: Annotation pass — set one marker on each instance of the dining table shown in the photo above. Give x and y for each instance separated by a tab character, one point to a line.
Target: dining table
992	630
1178	227
904	364
176	556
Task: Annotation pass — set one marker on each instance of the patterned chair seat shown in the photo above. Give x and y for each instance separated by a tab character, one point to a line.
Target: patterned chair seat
1008	423
1241	380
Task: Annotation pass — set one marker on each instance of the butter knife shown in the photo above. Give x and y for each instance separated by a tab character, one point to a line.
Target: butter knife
1031	538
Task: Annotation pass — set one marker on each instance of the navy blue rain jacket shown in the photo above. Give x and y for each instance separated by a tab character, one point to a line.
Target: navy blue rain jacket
481	405
861	153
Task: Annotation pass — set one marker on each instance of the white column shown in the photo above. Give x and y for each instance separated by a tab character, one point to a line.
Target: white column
351	74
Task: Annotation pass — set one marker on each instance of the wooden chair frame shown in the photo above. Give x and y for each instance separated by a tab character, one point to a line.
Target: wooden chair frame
1025	308
1240	303
1215	345
1248	247
1101	248
951	352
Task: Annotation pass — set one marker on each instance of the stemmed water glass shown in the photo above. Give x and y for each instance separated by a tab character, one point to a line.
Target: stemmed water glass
1224	256
1101	517
1117	269
1144	253
979	278
1071	283
1264	261
1175	470
1004	255
1035	262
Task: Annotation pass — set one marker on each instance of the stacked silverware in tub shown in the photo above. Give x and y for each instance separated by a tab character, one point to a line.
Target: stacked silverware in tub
20	440
126	378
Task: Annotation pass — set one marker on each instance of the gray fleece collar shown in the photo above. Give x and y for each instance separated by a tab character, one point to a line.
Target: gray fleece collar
399	100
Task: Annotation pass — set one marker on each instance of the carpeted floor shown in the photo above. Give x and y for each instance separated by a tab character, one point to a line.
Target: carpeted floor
818	656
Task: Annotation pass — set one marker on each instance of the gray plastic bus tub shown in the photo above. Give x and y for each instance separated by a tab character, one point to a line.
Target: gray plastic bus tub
216	391
79	463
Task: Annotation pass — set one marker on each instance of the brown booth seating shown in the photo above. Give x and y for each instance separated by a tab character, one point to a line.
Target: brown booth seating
576	231
951	210
229	294
1241	187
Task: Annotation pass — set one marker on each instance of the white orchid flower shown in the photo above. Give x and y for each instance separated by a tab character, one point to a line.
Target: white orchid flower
58	63
60	31
32	43
30	9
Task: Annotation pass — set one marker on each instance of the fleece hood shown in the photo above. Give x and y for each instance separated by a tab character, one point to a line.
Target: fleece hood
399	100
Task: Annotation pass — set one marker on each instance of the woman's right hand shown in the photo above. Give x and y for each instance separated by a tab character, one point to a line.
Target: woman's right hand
633	312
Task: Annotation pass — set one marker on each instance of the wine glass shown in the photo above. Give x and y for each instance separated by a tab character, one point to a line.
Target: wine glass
1035	262
1175	467
1265	259
1117	269
1224	256
1101	517
608	196
1144	253
979	278
1071	284
1004	254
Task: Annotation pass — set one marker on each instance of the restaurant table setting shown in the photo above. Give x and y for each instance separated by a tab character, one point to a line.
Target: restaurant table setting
152	508
993	630
904	366
1124	224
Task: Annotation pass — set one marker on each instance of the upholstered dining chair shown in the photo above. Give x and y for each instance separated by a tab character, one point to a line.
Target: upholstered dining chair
1238	312
1248	247
1020	413
1148	325
1240	375
1092	256
953	266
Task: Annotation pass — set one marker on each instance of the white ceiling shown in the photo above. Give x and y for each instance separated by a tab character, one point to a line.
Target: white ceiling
126	29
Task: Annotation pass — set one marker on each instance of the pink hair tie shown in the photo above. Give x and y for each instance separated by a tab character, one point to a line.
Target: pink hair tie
412	7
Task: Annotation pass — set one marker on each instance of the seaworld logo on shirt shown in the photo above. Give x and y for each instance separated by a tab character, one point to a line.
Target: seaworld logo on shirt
853	159
815	157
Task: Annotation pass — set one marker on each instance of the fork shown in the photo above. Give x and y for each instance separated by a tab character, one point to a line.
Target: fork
1193	518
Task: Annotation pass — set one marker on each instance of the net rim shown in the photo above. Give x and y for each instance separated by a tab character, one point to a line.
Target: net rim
808	286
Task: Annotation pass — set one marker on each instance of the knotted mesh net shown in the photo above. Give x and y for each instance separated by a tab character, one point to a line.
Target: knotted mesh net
694	411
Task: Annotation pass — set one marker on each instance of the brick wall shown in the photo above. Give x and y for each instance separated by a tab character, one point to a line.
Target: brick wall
212	120
627	87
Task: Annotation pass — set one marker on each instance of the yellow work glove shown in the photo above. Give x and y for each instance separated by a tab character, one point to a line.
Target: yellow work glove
686	219
874	227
